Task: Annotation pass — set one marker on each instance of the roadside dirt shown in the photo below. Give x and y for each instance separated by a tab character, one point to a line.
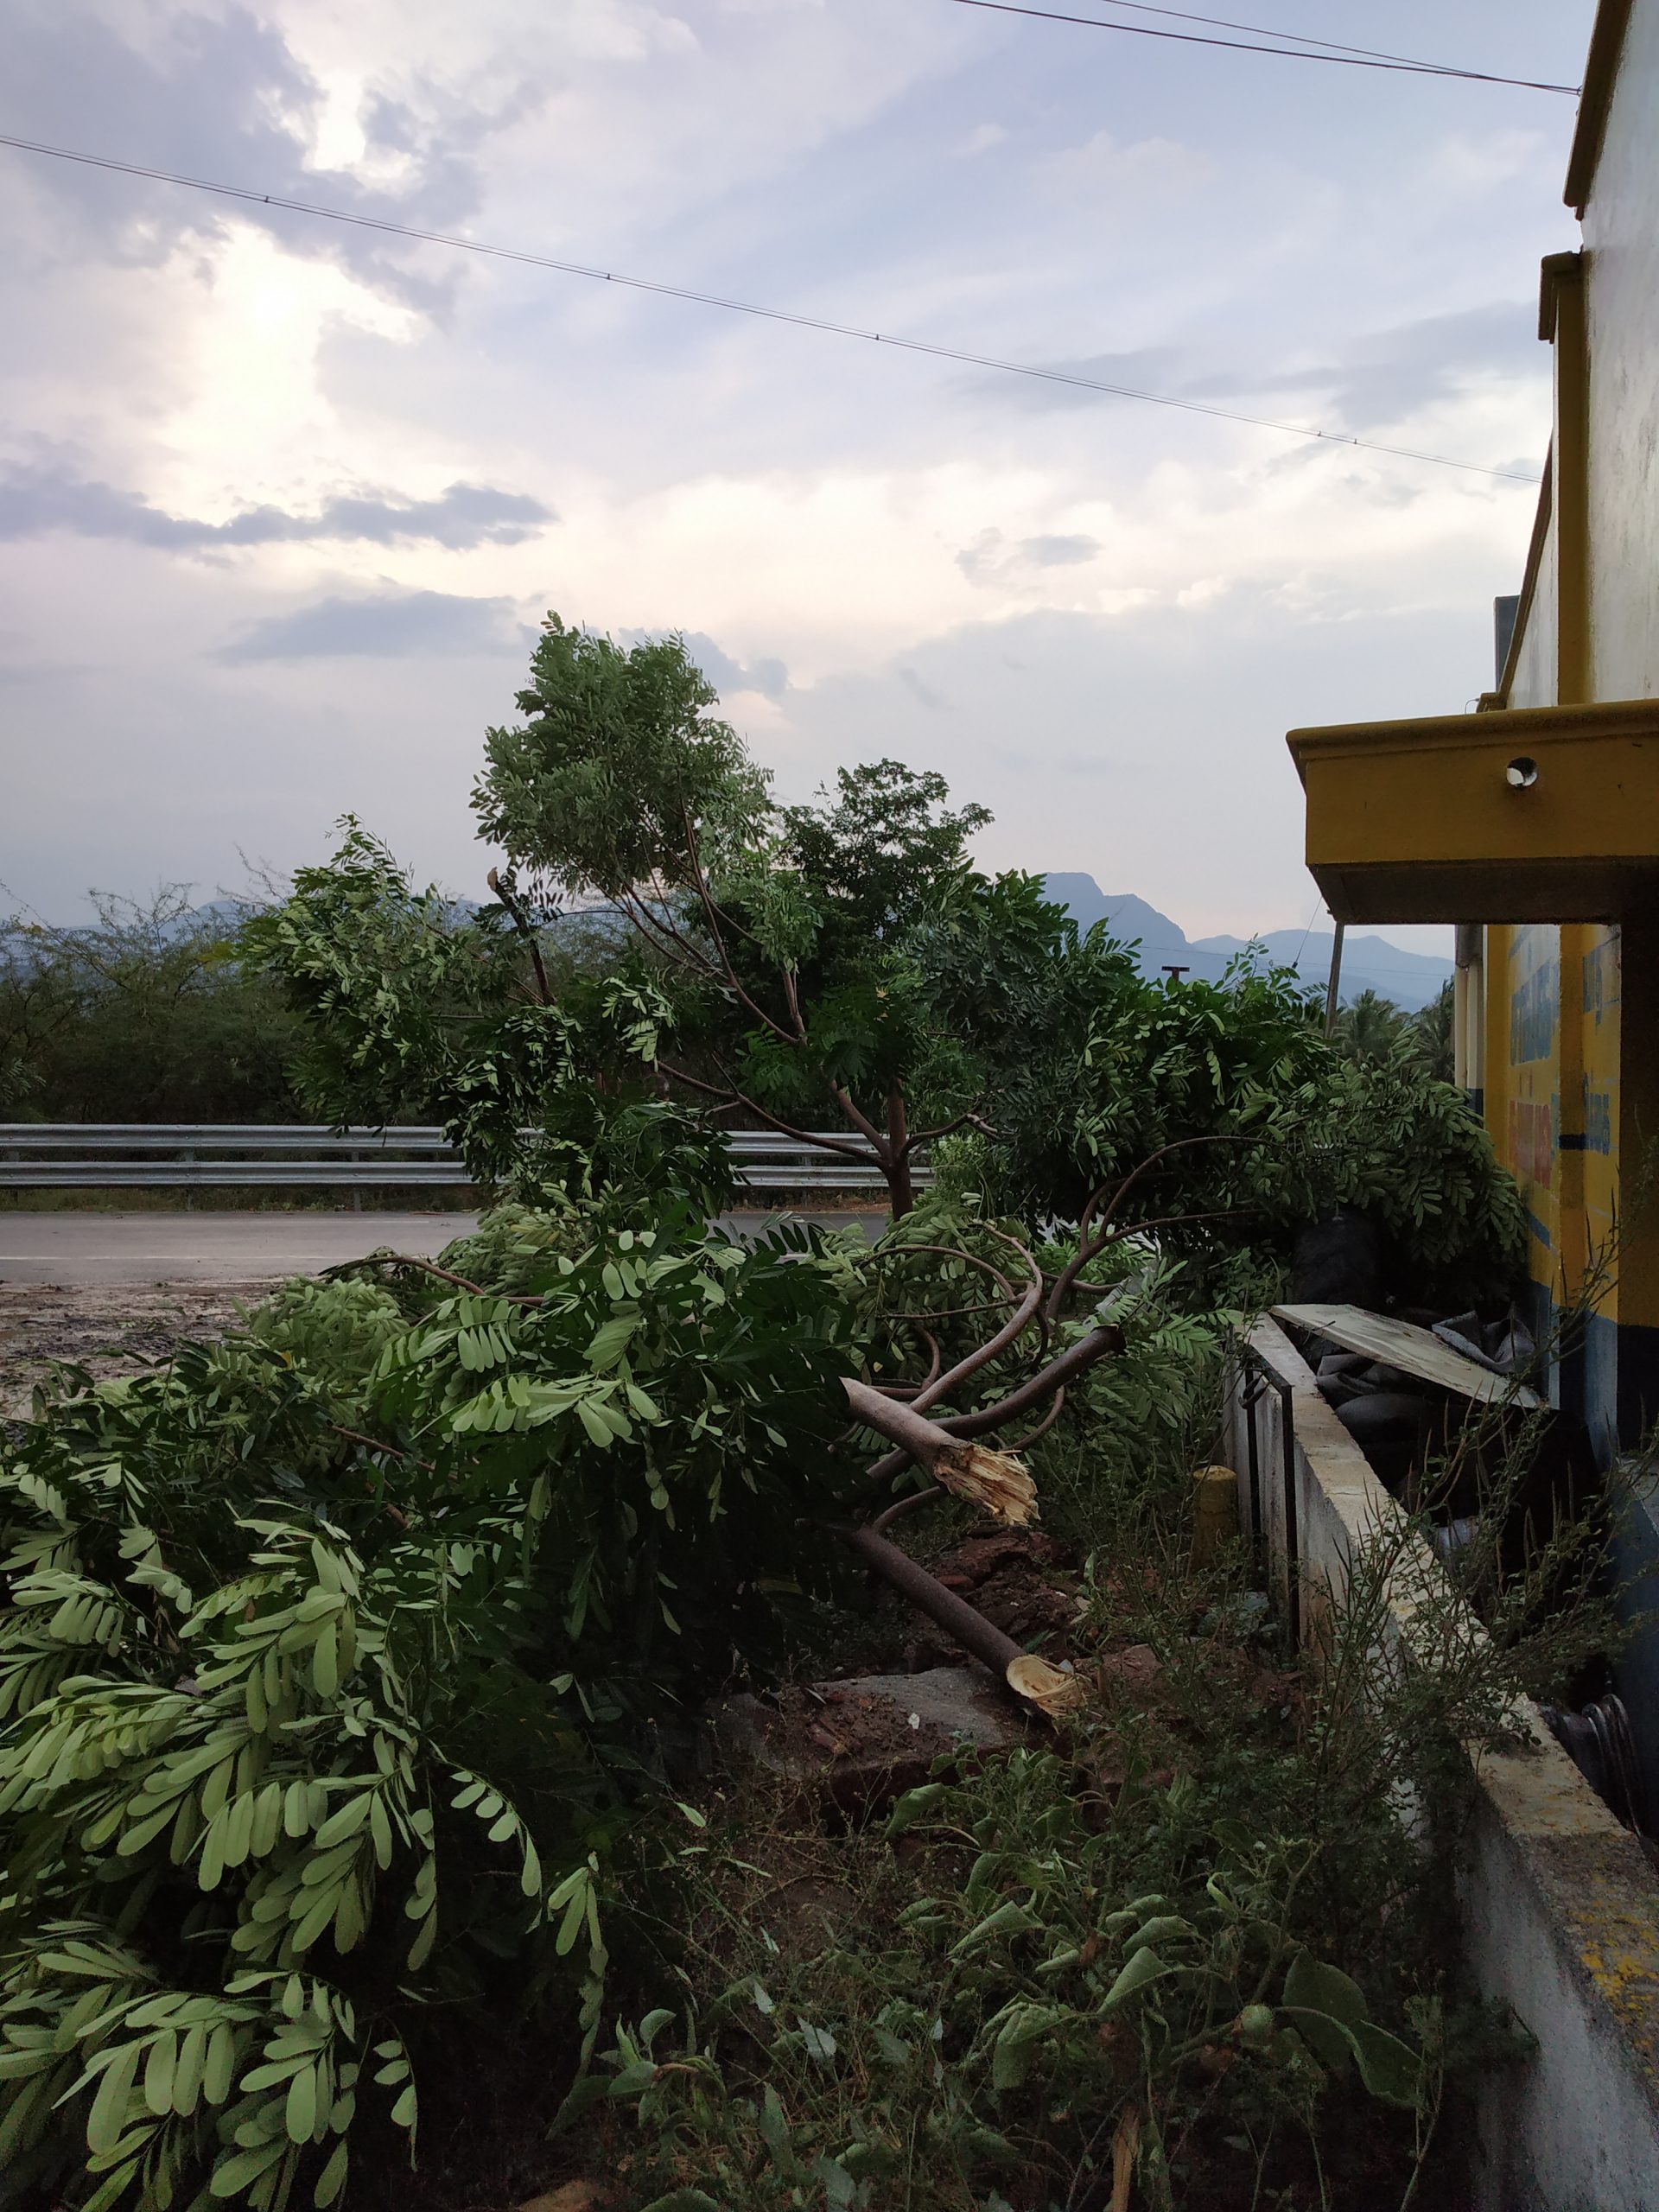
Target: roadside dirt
110	1329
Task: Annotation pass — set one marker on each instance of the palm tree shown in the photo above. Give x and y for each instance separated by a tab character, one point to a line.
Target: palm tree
1370	1028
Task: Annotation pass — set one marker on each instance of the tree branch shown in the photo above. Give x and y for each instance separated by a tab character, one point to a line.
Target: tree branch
1011	1330
1092	1238
430	1268
713	914
734	1097
843	1099
521	923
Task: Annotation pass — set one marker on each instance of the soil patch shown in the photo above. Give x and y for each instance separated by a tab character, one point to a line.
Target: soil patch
110	1329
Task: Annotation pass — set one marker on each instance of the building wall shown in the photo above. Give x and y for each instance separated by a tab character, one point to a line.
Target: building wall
1621	239
1560	1916
1569	1064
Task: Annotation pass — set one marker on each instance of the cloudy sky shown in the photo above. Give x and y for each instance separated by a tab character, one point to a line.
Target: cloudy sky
282	501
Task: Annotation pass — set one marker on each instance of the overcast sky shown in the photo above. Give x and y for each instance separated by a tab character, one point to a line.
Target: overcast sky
282	502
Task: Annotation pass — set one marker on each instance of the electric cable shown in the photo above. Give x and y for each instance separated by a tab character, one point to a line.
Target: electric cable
385	227
1355	60
1297	38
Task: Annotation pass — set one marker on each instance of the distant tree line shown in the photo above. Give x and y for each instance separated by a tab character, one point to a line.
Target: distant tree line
148	1013
1371	1028
144	1013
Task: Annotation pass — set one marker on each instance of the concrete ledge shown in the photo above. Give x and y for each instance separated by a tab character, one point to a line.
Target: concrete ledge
1561	1902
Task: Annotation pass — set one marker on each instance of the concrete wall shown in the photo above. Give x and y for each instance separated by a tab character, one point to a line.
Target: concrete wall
1561	1916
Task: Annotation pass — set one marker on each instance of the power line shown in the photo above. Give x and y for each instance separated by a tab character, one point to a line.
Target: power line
1344	57
1300	38
1066	377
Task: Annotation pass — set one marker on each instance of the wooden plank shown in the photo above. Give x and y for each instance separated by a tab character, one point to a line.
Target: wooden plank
1413	1351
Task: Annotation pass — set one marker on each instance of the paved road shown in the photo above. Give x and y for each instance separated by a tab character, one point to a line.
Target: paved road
239	1248
110	1248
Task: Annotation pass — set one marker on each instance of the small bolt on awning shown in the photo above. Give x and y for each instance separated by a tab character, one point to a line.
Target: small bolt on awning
1525	814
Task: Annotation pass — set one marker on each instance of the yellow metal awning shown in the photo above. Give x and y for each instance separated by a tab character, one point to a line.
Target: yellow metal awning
1527	814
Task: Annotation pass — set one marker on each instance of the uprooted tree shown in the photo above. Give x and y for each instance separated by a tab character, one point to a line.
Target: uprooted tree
337	1660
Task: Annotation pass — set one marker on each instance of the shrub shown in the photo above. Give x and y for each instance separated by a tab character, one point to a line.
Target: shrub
333	1664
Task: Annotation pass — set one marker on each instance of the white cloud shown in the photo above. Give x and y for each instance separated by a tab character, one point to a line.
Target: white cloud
980	140
1085	614
1105	171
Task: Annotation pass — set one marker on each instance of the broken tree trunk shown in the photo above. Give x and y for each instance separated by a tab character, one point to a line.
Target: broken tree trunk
994	1480
1031	1678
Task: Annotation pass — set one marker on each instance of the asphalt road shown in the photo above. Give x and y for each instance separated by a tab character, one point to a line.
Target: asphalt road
241	1247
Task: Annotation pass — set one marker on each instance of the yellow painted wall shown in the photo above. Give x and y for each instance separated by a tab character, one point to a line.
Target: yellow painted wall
1571	1048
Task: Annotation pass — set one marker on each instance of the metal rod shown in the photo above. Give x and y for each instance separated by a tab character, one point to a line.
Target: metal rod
1292	1541
1252	1399
1333	982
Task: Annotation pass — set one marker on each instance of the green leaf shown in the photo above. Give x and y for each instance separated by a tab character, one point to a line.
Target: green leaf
1145	1967
912	1806
216	2074
1387	2067
1329	2011
630	2079
1016	2042
840	2189
350	1817
107	2120
332	2180
158	2071
1325	1989
300	2116
1165	1928
236	2169
599	1430
186	2074
775	2135
1009	1919
611	1341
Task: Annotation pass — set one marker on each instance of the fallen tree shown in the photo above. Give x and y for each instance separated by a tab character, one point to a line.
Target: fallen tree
336	1658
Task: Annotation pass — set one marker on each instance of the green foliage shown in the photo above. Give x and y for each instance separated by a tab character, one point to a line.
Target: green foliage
1433	1026
1407	1151
840	961
882	855
1192	1925
1370	1027
1272	1126
1042	1967
1143	1064
596	791
633	1153
1029	1992
409	1003
143	1014
334	1664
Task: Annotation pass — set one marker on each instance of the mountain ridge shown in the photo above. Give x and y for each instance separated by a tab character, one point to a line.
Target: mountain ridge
1411	980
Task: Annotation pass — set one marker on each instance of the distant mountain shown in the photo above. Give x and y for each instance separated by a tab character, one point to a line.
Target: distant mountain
1369	963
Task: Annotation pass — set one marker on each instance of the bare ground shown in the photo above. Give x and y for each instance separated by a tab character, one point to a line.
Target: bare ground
109	1329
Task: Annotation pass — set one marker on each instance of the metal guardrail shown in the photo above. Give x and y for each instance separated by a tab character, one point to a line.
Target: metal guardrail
85	1155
